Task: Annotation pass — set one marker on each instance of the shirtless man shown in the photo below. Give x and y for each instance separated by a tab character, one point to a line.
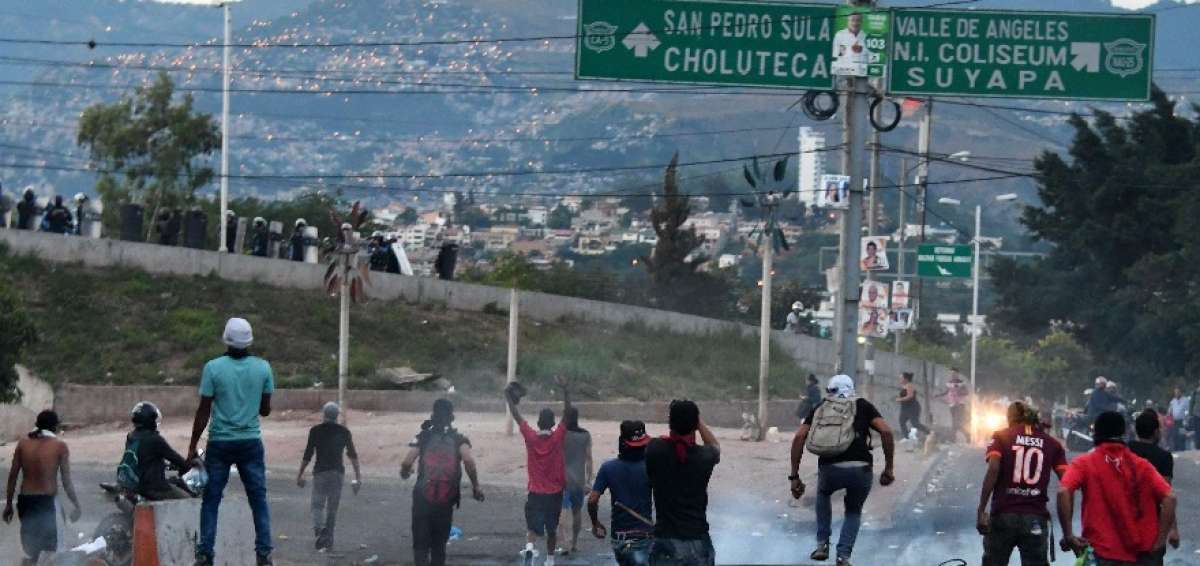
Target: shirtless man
39	459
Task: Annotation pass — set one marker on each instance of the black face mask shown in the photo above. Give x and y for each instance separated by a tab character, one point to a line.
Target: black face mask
630	453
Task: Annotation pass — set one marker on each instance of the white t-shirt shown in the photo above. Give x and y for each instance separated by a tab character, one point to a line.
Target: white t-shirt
843	46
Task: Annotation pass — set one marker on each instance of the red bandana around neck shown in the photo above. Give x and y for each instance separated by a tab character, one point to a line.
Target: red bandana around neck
682	443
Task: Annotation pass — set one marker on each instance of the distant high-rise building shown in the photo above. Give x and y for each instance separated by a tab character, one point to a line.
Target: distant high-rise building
812	164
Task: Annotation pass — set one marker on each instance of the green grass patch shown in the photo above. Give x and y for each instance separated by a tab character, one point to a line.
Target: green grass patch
122	326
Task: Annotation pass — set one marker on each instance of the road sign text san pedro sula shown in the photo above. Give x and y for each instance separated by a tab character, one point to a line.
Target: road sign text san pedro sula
1026	54
767	44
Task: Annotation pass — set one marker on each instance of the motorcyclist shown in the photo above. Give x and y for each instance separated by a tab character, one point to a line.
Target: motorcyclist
153	454
58	219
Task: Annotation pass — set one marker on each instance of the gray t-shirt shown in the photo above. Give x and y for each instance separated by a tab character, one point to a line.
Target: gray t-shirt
575	451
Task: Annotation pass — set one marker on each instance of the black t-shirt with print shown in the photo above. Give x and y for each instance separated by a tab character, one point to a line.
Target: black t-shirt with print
860	449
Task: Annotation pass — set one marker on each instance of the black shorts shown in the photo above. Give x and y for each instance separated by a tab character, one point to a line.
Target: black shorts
39	529
541	512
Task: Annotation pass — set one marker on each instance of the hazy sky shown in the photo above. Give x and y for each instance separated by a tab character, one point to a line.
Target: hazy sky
1139	3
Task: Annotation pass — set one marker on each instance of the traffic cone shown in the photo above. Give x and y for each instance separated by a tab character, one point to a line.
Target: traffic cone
145	538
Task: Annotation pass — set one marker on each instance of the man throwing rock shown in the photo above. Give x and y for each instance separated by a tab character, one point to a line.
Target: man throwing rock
679	470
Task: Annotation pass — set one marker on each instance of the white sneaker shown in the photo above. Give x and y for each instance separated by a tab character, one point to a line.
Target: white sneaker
528	554
549	561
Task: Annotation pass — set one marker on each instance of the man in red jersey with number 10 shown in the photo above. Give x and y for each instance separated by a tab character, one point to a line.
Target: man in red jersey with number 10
1020	460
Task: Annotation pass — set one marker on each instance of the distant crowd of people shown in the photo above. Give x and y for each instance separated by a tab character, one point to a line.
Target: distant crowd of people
56	217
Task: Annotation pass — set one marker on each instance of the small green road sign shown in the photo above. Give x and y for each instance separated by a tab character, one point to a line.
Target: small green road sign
939	260
767	44
1022	54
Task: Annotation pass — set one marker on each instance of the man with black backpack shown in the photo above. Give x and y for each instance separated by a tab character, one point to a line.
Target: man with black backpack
328	441
143	468
440	454
838	431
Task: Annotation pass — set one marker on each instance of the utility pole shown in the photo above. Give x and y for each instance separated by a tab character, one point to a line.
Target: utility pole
223	246
903	203
347	257
514	301
854	120
974	326
923	146
764	330
872	216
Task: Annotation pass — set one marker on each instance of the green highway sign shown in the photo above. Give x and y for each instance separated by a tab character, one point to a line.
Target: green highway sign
940	260
765	44
1021	54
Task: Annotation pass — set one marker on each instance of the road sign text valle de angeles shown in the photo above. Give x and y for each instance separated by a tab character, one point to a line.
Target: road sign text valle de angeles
1021	54
767	44
940	260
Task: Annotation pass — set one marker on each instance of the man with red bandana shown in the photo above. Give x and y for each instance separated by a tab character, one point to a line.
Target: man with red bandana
1128	508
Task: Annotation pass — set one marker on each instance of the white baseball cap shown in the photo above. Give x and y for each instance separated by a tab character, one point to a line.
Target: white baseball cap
238	334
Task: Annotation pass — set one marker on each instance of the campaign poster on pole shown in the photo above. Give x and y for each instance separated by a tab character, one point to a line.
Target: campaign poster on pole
872	323
874	295
860	42
834	192
900	319
901	291
874	254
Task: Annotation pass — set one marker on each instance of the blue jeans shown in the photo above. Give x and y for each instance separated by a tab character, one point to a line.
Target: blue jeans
635	552
248	456
857	483
677	552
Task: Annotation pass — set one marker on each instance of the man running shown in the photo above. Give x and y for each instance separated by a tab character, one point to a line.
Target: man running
547	477
1149	434
577	462
440	453
679	470
329	441
1128	508
632	510
39	459
1019	461
850	470
235	390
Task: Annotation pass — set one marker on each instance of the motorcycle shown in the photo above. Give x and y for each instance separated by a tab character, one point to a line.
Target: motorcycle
1077	432
117	527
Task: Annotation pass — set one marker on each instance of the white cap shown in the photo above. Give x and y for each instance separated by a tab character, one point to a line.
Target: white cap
1100	381
238	334
797	306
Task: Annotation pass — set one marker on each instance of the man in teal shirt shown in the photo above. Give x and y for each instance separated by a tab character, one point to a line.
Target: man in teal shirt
235	389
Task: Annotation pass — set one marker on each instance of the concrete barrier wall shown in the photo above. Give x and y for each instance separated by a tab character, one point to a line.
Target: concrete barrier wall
177	527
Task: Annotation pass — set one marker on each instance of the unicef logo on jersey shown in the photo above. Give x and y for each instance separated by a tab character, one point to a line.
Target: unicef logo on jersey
599	36
1125	57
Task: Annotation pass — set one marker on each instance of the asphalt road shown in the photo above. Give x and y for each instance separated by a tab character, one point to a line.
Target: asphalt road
757	526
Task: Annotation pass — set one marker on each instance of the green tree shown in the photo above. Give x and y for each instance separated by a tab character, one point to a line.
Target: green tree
559	218
1120	215
149	149
19	332
673	267
408	217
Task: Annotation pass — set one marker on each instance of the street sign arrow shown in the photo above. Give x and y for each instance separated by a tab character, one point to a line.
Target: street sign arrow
1085	55
642	42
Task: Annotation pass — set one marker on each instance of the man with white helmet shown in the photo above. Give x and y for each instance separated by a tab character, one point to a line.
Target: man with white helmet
143	468
296	243
795	318
260	237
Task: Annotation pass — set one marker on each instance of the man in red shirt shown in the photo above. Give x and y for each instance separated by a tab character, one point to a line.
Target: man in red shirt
547	477
1128	508
1020	460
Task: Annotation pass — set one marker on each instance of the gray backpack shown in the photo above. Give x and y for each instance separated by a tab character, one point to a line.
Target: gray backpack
832	428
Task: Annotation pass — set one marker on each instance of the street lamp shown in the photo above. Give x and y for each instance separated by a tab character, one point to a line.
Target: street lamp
225	54
974	322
